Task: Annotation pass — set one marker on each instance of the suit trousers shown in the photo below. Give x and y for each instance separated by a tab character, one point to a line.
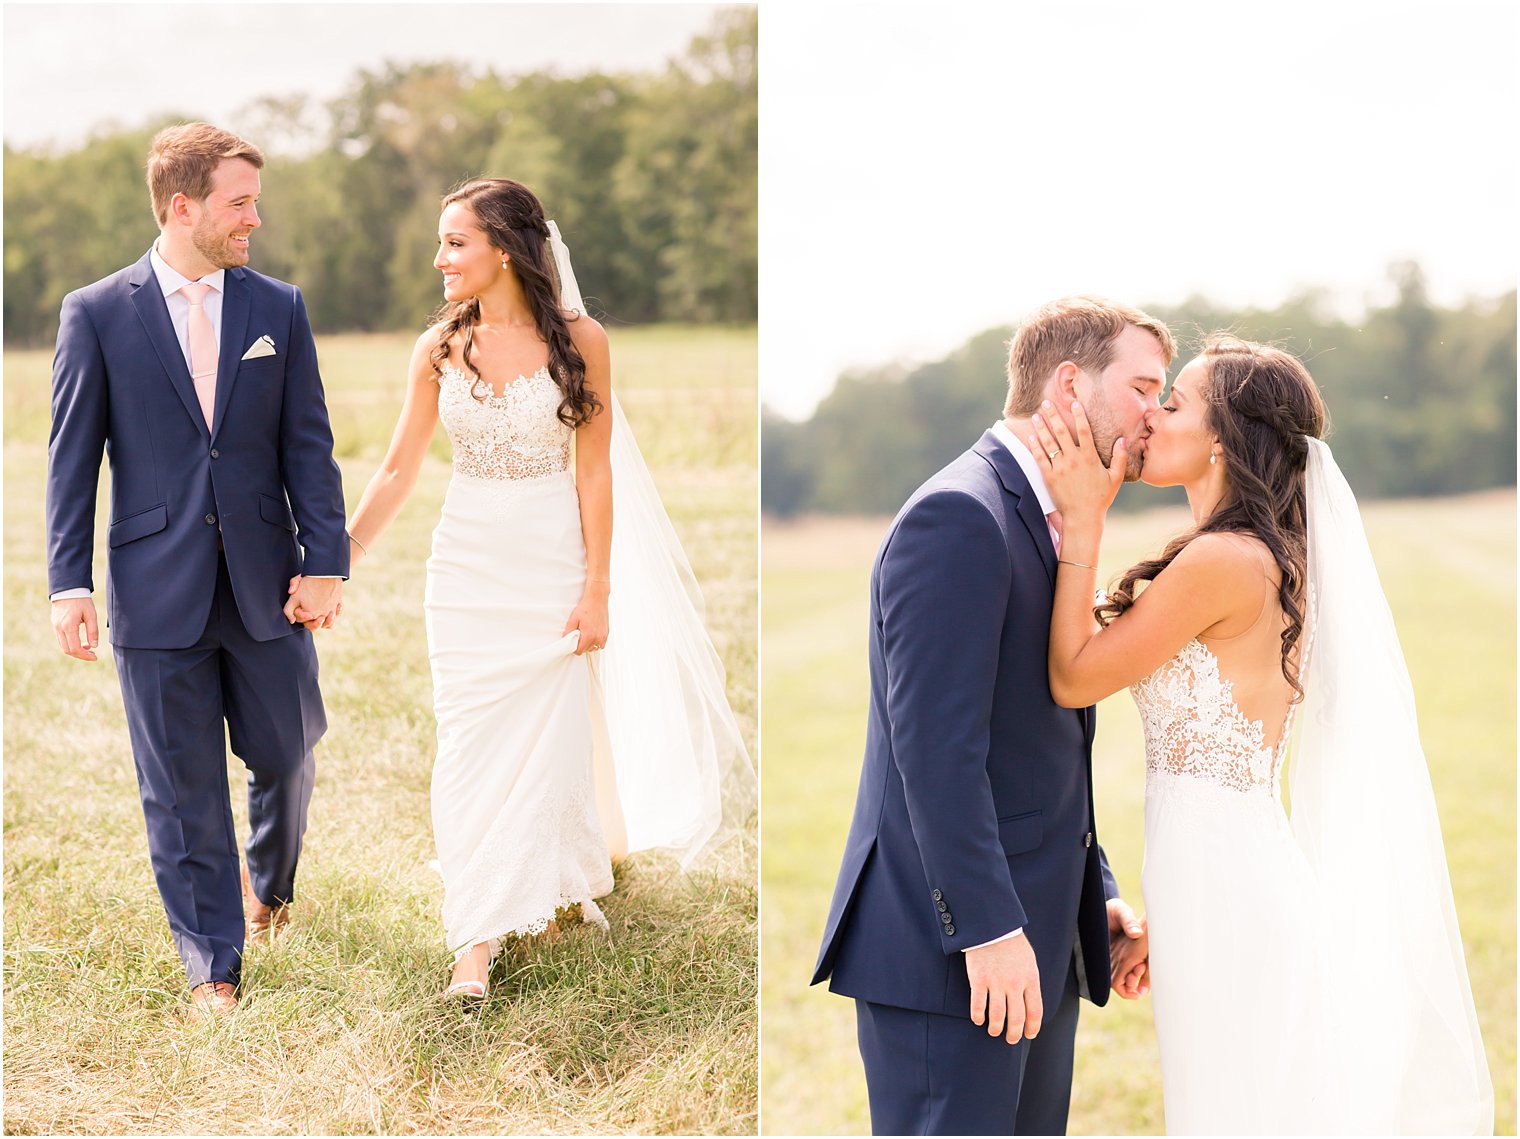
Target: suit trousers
176	702
932	1074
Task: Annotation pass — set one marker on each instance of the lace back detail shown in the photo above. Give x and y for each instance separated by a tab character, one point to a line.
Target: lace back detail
512	436
1193	726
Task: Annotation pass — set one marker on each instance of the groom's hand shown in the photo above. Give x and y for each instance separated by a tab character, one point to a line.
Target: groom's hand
75	627
315	602
1005	988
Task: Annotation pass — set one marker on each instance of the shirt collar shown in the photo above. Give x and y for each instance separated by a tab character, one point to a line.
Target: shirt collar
171	280
1025	458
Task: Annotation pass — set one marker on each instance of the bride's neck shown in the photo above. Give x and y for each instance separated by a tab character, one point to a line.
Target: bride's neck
505	304
1204	498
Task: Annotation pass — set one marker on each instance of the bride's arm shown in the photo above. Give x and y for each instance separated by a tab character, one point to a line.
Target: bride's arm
392	483
1206	584
593	483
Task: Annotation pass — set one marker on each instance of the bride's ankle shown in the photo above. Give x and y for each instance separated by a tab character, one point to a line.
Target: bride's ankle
474	962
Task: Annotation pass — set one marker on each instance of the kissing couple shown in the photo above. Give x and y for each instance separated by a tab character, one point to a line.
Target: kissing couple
228	548
1306	974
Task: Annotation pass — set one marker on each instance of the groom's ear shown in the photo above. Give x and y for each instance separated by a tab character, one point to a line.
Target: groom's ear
1064	384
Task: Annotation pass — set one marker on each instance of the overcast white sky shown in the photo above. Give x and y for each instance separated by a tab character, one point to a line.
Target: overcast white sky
71	67
932	171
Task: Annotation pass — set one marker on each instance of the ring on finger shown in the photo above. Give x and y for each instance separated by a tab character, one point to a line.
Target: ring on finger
1051	455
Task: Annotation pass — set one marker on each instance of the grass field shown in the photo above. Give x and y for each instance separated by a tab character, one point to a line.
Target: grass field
1448	567
342	1028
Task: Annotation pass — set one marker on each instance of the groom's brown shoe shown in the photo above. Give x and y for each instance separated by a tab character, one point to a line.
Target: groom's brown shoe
263	923
213	1000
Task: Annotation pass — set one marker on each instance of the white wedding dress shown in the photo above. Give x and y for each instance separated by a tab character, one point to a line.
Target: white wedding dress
513	796
1236	972
1307	974
546	759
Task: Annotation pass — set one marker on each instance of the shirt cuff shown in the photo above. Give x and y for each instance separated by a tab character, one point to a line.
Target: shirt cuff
995	940
323	576
67	594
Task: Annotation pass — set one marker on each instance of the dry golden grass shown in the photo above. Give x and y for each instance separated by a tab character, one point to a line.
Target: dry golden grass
342	1028
1448	566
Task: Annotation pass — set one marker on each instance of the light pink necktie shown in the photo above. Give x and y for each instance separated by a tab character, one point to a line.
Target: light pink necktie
203	350
1053	520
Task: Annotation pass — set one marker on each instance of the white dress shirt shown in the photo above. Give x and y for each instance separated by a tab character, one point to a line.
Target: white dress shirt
171	280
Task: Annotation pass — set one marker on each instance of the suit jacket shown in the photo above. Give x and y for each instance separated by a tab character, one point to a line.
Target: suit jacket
260	482
974	814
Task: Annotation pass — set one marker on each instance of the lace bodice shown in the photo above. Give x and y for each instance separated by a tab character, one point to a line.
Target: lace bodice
516	435
1193	726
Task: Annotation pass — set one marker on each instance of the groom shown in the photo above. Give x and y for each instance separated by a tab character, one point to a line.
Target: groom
199	378
974	905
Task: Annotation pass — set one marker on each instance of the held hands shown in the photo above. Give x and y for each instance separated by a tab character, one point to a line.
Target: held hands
1129	948
590	618
1079	483
68	615
315	602
1005	988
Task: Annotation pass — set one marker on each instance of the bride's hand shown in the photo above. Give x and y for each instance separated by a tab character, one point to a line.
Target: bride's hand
590	618
1129	964
1078	482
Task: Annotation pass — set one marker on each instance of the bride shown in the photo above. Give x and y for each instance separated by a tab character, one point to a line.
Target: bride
1308	975
554	758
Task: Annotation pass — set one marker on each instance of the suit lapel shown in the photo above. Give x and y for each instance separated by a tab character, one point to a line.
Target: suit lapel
235	304
1016	483
148	300
1027	507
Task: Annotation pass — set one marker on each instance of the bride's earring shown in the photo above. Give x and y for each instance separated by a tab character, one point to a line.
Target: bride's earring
1213	458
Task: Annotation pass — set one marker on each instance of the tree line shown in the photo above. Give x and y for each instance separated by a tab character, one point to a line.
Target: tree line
651	177
1421	400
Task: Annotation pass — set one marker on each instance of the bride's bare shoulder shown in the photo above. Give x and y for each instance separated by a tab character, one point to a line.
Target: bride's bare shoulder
585	332
1226	561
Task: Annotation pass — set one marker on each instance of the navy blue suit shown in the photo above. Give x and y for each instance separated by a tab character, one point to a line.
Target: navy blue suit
207	526
974	815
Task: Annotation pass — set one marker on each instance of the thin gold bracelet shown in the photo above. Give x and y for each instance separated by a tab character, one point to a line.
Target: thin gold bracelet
1083	565
362	547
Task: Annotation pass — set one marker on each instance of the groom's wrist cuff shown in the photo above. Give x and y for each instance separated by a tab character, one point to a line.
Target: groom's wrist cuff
995	940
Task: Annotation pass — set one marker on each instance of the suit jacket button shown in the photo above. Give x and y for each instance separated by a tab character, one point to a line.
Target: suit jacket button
211	520
941	907
946	918
949	931
215	454
1087	839
937	895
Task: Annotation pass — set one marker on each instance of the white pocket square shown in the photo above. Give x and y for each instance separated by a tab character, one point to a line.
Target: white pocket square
263	346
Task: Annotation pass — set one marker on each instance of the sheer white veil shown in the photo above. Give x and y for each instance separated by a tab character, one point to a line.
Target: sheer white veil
684	776
1364	813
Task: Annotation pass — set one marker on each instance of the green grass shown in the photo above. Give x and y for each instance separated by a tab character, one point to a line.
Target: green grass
1448	567
342	1028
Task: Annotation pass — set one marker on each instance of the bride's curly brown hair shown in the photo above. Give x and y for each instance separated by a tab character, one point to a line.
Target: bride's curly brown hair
513	220
1263	405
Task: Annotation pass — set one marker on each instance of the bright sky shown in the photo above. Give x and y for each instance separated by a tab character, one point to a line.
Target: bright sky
932	171
71	67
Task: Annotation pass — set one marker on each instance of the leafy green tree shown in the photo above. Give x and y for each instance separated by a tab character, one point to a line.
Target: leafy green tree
1421	401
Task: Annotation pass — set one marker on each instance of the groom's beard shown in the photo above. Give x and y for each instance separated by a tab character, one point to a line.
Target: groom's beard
1101	420
217	248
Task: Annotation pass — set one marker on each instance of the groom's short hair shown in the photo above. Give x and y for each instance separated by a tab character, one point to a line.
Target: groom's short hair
1080	329
182	158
